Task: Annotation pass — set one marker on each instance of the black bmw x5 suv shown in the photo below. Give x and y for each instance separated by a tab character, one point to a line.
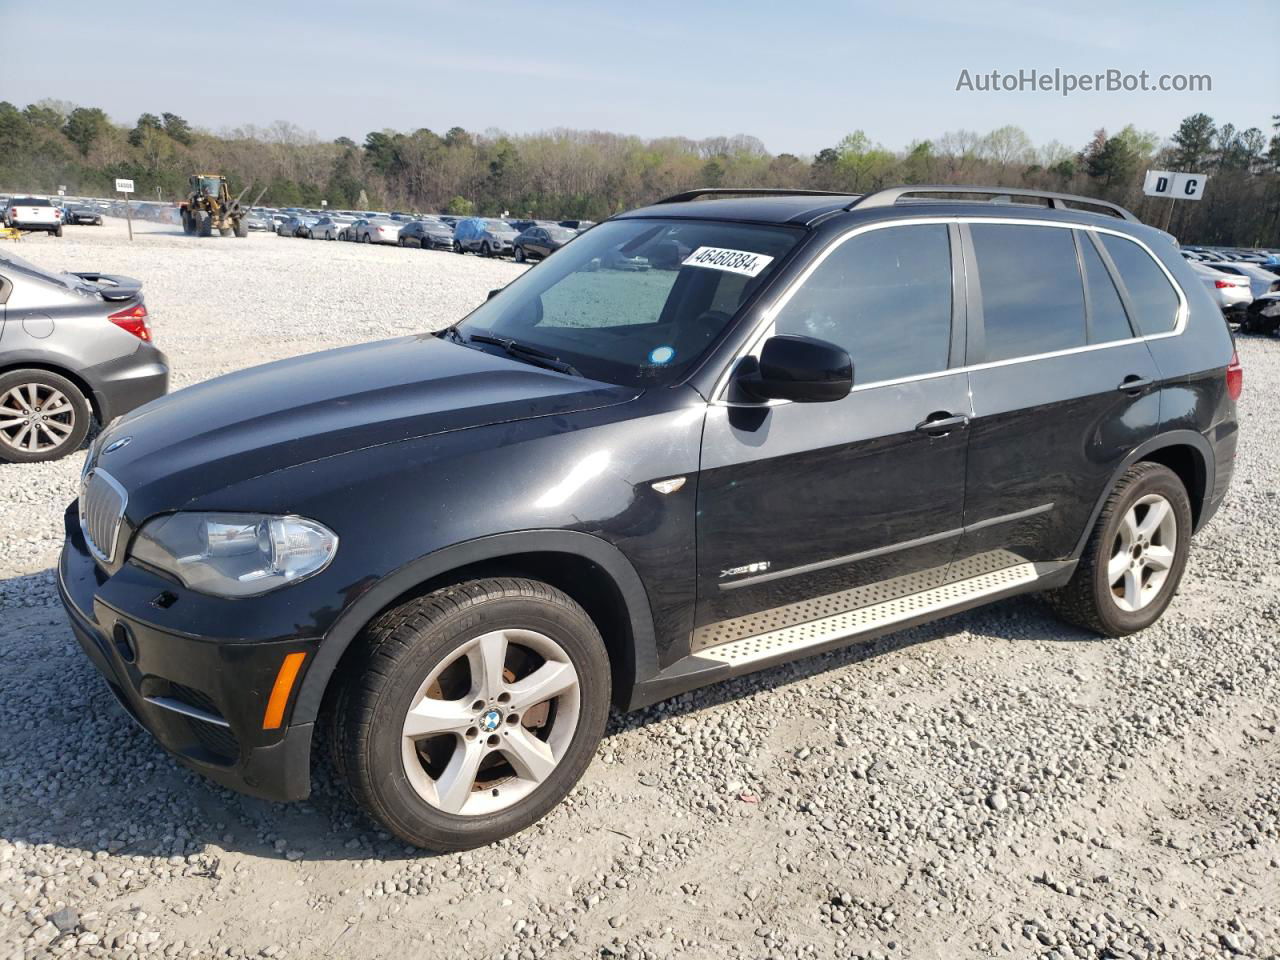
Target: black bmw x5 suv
827	417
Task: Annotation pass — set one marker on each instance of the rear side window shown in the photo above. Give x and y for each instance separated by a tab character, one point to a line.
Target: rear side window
885	296
1032	298
1107	319
1154	300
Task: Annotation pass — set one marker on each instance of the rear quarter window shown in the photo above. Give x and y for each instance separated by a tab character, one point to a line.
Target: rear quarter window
1155	302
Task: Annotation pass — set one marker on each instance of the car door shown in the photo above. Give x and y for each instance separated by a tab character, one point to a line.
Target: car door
1063	386
830	506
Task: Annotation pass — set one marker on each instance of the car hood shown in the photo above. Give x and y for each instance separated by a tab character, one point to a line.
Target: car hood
296	411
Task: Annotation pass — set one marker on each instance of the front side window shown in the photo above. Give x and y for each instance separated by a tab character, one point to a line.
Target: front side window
611	305
1032	297
1154	300
885	297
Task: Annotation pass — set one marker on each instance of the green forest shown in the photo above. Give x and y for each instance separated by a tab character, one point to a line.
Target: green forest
592	174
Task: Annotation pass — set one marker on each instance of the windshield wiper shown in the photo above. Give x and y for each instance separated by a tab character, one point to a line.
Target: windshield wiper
529	354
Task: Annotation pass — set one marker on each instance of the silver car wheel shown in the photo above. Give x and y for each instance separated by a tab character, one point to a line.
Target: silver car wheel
493	746
1143	553
35	418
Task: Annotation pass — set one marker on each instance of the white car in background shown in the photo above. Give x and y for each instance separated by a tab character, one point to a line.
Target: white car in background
375	231
33	213
1230	291
1261	280
329	227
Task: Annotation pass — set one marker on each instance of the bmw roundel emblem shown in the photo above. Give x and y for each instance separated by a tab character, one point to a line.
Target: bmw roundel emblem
490	721
118	445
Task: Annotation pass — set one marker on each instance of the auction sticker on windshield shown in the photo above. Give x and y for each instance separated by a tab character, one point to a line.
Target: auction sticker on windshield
735	261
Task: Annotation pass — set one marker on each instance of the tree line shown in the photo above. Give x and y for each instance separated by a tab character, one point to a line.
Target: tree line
592	174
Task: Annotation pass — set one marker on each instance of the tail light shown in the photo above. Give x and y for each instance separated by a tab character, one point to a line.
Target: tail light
134	320
1226	284
1235	376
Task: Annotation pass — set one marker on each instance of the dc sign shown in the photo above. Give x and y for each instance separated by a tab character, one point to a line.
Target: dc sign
1176	186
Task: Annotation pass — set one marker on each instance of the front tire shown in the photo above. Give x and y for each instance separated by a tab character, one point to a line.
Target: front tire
472	711
519	254
43	416
1135	556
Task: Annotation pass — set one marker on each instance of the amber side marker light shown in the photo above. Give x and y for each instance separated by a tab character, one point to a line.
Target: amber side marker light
274	716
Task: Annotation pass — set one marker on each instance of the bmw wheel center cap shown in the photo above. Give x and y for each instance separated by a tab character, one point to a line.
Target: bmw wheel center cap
489	722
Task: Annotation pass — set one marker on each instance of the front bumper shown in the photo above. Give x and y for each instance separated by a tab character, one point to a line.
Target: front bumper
203	699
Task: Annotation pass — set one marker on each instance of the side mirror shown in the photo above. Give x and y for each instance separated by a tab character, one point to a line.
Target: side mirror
802	369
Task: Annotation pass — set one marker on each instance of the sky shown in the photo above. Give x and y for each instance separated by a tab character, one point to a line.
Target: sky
799	75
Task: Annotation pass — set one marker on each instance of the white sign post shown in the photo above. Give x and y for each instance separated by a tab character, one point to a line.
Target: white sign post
1175	186
126	187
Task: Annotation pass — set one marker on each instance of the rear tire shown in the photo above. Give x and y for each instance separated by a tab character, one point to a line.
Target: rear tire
241	229
510	758
204	225
65	408
457	247
1128	575
57	231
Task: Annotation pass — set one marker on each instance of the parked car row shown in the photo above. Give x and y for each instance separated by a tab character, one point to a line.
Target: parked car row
1244	284
523	240
36	212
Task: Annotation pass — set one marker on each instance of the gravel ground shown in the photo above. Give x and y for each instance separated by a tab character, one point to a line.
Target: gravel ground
994	784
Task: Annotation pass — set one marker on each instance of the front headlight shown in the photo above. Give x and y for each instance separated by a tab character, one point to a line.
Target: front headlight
235	554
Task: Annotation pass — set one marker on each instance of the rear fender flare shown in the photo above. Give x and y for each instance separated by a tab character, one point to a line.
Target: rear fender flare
1174	438
358	614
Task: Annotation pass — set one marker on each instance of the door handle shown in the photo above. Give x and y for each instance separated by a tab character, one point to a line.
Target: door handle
1134	384
940	424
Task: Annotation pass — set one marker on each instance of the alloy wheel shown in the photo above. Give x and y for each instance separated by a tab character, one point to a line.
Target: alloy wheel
491	722
1142	555
35	418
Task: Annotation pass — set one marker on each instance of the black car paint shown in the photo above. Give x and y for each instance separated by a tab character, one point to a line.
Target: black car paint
444	457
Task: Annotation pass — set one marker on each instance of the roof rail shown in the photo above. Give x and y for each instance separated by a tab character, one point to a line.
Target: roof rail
749	192
1057	201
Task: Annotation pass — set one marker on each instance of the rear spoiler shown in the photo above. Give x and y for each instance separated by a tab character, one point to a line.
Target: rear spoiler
112	287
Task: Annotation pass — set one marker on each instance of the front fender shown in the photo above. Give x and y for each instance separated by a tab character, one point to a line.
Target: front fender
356	616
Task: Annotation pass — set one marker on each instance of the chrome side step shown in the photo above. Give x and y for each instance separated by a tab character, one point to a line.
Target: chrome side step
792	640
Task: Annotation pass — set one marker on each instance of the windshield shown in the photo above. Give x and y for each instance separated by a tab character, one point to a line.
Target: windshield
636	302
210	185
